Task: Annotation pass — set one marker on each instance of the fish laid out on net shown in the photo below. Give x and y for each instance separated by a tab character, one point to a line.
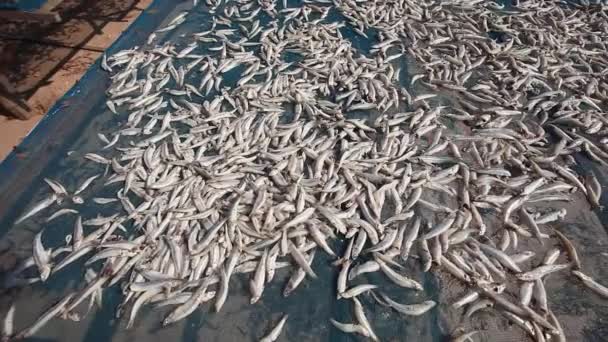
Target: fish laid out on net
317	141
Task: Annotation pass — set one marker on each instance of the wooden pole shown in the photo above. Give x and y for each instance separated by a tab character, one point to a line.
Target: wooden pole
30	16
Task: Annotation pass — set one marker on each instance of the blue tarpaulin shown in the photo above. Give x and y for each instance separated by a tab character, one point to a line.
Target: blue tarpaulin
23	5
55	149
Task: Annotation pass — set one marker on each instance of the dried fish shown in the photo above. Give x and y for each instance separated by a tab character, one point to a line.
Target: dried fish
592	284
276	331
214	177
410	309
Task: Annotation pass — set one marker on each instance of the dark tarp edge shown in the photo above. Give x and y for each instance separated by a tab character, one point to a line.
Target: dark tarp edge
23	5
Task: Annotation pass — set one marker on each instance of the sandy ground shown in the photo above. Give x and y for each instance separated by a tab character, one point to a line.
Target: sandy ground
43	73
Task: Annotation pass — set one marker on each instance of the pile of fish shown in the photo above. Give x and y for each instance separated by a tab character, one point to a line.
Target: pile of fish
271	137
